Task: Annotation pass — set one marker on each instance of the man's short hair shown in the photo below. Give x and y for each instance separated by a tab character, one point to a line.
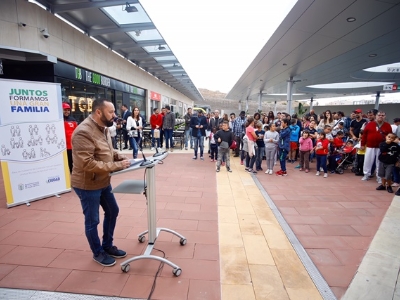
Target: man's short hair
99	104
154	109
225	122
340	133
327	126
286	121
232	114
340	113
167	107
124	105
293	121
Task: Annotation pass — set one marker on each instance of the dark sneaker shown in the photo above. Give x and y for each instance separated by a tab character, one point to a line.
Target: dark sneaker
389	189
229	170
381	188
398	192
194	157
217	170
115	252
104	259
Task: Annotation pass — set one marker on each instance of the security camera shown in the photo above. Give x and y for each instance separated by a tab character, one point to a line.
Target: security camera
21	24
45	33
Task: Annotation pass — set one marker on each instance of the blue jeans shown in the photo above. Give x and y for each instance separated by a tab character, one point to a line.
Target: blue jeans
153	140
91	202
259	156
168	138
282	158
134	146
188	136
198	142
321	163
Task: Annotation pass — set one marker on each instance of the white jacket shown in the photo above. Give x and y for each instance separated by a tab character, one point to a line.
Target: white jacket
131	122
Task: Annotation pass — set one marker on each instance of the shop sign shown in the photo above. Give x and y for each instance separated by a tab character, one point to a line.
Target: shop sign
155	96
92	77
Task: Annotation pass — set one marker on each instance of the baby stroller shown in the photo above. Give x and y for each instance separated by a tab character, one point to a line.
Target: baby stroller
345	159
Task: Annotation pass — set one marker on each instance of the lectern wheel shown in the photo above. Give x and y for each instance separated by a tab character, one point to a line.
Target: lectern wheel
125	268
182	242
177	272
141	238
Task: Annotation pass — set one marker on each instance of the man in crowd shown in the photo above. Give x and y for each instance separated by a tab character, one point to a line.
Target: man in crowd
163	112
156	121
356	124
238	131
168	127
70	125
93	162
374	133
198	123
125	113
188	129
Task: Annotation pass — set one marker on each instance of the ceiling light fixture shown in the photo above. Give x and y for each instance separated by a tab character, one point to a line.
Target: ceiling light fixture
138	32
373	55
130	9
351	19
161	47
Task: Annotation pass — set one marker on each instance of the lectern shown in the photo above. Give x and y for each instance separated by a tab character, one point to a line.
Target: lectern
149	188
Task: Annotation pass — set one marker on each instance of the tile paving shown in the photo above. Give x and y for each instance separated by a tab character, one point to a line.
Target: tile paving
236	248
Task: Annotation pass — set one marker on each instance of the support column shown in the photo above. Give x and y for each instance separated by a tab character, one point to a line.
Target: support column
240	105
247	105
289	95
311	103
275	108
259	101
378	95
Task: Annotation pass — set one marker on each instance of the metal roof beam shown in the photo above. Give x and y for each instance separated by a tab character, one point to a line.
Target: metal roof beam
123	28
60	8
138	44
157	54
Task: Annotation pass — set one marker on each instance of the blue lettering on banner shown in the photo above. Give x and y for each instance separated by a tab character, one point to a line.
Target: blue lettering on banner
53	179
29	109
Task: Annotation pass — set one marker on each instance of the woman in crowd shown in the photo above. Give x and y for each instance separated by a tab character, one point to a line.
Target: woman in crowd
134	125
327	119
251	139
257	117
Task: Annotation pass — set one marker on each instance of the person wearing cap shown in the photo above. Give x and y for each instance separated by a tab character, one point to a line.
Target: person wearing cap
356	125
70	125
238	131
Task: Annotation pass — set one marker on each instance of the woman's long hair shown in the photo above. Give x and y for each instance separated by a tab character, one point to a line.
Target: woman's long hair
133	113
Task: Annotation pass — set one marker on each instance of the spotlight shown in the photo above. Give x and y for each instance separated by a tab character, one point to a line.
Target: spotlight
20	24
351	19
138	32
45	33
161	47
130	9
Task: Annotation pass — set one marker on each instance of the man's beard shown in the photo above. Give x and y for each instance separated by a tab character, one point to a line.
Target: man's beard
106	122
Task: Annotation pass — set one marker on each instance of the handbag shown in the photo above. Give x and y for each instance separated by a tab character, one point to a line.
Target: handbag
233	145
156	134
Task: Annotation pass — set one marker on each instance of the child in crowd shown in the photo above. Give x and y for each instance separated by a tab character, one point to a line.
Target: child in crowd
336	144
284	146
251	141
224	139
321	151
359	161
294	138
260	146
306	145
389	153
312	130
271	138
213	146
328	133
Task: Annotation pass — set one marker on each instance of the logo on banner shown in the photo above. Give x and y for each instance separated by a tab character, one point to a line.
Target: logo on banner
53	179
26	100
28	185
21	186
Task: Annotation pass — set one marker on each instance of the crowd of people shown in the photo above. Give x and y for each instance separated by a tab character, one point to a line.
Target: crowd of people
366	143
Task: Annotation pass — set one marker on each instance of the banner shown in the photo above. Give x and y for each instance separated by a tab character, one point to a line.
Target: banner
33	154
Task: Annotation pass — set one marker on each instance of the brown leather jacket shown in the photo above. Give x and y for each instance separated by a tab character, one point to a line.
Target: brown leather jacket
94	156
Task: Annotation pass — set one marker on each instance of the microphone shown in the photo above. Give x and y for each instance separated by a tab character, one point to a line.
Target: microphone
157	153
145	162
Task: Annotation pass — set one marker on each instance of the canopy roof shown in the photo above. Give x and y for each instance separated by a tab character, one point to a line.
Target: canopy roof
131	34
324	41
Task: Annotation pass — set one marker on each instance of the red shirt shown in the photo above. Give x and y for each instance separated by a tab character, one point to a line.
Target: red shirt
325	147
373	135
156	120
69	126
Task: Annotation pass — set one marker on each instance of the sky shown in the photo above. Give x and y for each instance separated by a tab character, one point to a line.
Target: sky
216	40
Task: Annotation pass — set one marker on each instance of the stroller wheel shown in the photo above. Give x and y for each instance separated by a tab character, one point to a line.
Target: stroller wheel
354	170
340	170
345	166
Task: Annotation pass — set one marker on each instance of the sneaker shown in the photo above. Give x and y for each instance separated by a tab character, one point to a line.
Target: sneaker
284	173
186	148
398	192
229	170
217	170
325	175
317	174
267	172
394	184
194	157
249	170
359	174
301	169
365	177
201	157
159	149
115	252
307	170
252	171
389	189
241	162
104	259
279	173
271	172
380	188
332	171
297	167
152	149
321	169
171	149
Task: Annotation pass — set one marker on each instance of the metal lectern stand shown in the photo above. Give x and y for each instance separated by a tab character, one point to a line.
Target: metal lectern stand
149	187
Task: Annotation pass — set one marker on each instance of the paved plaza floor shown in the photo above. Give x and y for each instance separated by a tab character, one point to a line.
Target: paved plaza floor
237	247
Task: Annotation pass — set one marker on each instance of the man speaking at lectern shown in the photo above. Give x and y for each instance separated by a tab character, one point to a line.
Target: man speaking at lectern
94	159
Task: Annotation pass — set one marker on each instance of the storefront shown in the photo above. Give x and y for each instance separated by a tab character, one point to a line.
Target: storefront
80	87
